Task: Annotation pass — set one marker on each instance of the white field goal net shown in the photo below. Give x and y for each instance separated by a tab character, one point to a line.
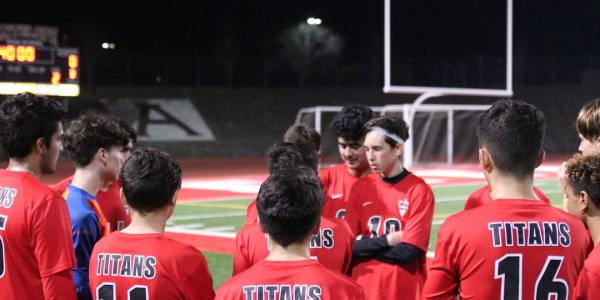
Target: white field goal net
441	133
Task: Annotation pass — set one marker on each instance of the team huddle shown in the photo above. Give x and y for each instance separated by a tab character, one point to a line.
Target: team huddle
356	230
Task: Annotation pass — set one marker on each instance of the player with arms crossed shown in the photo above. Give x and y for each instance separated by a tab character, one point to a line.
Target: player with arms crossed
516	247
391	212
36	251
289	209
331	246
95	144
139	262
337	180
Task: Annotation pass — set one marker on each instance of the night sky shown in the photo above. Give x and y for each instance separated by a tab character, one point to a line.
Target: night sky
253	31
552	27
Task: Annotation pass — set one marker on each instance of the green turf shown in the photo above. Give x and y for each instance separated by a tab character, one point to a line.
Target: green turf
228	216
220	266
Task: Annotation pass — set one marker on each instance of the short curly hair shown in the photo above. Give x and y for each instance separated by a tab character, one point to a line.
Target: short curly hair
150	179
349	123
24	118
583	172
90	132
289	205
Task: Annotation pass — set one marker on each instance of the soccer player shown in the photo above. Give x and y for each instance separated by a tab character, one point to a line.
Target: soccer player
516	247
140	261
95	144
289	209
331	245
109	198
337	180
391	212
582	193
296	134
36	251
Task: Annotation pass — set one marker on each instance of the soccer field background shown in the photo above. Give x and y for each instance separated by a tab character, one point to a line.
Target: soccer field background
227	216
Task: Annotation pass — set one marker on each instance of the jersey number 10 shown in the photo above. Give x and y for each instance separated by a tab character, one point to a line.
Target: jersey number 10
509	268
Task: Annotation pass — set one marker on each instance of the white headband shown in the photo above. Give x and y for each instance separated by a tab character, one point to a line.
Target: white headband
392	136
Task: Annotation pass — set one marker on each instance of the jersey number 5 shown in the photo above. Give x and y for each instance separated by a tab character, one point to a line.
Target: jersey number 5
2	264
509	268
107	291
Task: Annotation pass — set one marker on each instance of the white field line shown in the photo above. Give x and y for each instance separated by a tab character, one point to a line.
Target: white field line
207	216
187	226
207	232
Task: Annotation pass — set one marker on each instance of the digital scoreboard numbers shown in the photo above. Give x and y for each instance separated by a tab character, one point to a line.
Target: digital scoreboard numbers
41	70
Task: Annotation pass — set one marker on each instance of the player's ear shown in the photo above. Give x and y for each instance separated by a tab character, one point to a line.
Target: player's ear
399	149
39	146
541	158
102	154
584	202
485	160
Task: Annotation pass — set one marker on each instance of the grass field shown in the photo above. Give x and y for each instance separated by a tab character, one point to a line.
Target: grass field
227	216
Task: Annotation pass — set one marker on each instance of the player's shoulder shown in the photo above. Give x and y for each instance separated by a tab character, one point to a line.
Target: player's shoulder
179	250
592	262
486	189
335	279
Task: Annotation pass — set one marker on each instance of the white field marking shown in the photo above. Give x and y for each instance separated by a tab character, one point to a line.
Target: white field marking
207	216
249	186
449	173
430	254
188	226
435	181
207	232
438	222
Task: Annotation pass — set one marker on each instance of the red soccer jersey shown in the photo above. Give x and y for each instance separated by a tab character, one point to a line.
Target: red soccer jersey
337	183
112	206
588	284
508	249
35	235
332	247
251	213
304	279
483	196
125	265
377	208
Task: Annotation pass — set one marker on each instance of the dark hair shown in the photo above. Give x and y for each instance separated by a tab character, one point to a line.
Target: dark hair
588	120
288	156
24	118
289	205
513	134
301	134
90	132
349	123
150	179
129	129
392	124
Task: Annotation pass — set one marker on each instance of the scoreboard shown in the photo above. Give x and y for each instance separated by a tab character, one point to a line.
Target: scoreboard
39	69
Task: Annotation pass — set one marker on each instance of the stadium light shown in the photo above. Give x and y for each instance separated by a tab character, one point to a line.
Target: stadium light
107	46
313	21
